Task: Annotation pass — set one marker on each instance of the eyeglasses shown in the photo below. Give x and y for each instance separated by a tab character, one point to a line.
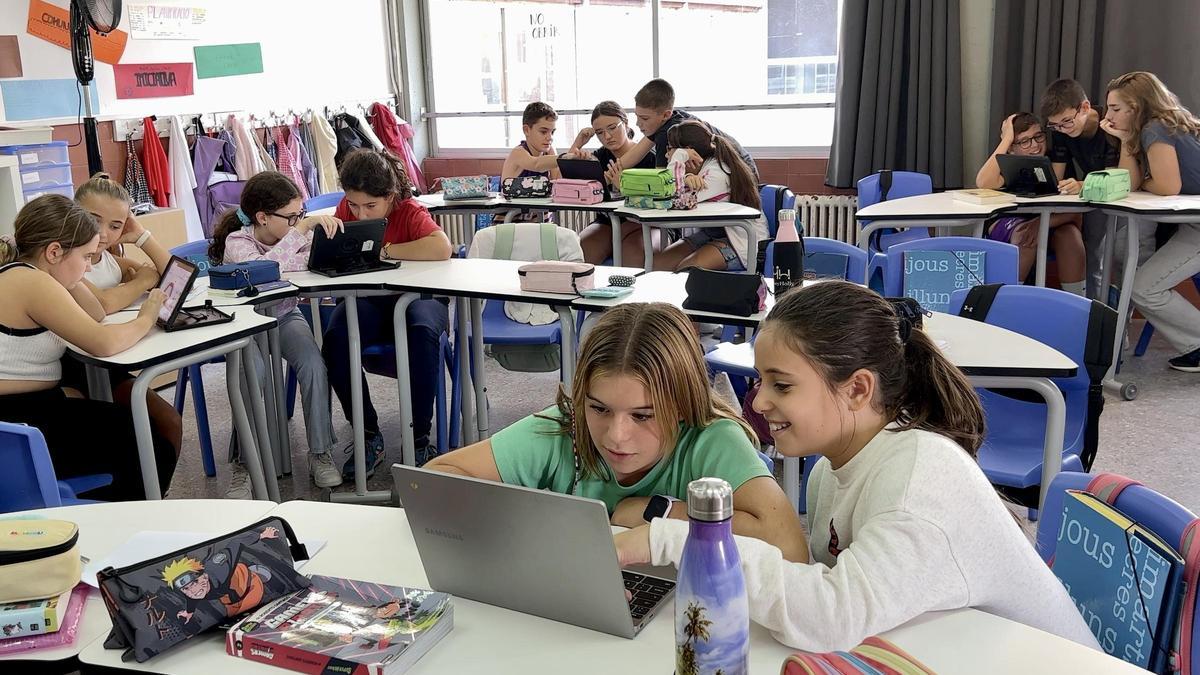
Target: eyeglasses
292	219
1065	124
609	130
1027	143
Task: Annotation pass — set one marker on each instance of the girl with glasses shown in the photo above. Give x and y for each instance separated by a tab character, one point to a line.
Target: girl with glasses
1020	134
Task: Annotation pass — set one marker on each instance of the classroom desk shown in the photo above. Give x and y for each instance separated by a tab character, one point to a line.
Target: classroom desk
991	356
939	209
438	205
162	352
491	639
708	214
471	281
104	526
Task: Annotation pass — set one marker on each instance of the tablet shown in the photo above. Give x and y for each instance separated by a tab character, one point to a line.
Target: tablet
175	283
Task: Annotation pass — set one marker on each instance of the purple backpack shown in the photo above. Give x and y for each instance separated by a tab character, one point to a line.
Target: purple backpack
213	200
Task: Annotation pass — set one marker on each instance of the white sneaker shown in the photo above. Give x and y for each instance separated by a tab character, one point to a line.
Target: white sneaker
239	483
324	473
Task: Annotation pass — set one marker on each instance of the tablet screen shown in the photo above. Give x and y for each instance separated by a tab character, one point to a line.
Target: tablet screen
173	283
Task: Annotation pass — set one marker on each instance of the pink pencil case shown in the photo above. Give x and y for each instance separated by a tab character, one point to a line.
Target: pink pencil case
557	276
577	191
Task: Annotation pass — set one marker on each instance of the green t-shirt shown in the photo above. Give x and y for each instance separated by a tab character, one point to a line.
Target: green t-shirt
532	454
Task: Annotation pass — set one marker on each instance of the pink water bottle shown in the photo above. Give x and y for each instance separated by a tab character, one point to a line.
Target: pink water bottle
788	264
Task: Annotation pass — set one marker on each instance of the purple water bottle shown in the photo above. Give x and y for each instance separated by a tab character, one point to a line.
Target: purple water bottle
712	618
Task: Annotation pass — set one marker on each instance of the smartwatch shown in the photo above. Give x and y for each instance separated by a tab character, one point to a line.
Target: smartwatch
658	507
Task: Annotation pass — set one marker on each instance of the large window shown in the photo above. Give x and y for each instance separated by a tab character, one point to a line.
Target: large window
492	57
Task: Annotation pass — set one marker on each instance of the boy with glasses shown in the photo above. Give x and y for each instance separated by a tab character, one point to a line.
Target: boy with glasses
1078	146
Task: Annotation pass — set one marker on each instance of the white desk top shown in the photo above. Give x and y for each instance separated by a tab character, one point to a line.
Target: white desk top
436	202
200	295
159	346
708	211
975	347
482	278
495	640
103	527
551	205
311	282
943	206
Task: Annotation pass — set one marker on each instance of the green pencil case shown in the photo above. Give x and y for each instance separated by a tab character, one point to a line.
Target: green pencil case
1108	185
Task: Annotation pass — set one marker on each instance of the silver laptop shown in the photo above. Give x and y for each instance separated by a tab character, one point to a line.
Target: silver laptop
527	550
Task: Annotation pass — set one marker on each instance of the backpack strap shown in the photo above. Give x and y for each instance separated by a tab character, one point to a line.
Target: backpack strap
549	241
1108	486
505	234
1189	549
979	301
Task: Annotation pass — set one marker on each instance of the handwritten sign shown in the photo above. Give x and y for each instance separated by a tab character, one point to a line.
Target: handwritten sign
153	80
165	22
53	24
227	60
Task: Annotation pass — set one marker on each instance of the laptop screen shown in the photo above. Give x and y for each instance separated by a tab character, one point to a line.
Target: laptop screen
174	283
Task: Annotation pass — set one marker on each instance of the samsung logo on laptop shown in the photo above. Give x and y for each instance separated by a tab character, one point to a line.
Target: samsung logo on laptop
444	534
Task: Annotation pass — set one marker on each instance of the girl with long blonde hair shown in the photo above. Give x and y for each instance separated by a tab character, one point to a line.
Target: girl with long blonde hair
1160	146
641	422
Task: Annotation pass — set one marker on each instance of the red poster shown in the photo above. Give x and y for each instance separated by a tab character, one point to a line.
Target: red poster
53	24
153	80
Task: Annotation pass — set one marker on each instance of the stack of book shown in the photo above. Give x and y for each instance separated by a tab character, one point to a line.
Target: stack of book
34	624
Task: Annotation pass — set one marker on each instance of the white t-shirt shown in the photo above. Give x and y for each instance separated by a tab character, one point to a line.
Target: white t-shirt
717	189
909	525
106	273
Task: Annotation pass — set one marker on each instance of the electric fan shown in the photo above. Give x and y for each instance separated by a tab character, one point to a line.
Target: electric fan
101	16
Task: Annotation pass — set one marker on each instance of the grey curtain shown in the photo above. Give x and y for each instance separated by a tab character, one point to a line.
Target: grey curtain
1092	41
899	92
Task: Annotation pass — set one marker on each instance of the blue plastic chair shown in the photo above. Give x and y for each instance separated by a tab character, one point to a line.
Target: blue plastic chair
870	191
774	198
1148	331
27	478
197	252
325	201
1011	455
1157	513
856	258
1000	268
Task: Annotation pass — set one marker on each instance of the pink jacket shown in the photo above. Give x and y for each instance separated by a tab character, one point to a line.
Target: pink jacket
291	252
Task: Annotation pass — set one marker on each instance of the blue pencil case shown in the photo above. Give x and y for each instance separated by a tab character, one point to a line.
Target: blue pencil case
236	276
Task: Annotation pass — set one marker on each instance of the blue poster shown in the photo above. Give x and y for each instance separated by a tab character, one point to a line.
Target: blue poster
931	276
44	99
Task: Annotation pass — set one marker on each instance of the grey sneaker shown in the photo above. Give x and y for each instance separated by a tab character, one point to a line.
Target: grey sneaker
374	455
324	473
239	483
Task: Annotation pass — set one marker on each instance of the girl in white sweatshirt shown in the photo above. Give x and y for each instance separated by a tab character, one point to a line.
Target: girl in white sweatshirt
901	519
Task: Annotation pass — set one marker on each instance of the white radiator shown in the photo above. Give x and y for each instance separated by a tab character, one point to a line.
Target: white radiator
830	216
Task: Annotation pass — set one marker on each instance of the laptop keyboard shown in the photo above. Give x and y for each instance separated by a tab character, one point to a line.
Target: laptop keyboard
647	592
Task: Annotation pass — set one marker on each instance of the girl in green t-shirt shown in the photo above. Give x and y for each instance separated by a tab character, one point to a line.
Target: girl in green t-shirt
640	424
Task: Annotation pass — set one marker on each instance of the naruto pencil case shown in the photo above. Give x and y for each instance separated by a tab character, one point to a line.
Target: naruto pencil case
158	603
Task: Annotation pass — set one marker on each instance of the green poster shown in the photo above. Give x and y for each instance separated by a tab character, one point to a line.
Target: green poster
226	60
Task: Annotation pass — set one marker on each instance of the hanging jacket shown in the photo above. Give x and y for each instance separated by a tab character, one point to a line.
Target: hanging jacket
247	162
364	128
396	134
135	178
213	200
154	158
264	158
268	144
300	152
184	179
325	147
350	137
228	162
289	164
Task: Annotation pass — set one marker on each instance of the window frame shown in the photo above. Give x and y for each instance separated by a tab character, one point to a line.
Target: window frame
430	114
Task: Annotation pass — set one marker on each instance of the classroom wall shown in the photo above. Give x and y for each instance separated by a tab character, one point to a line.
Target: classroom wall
307	61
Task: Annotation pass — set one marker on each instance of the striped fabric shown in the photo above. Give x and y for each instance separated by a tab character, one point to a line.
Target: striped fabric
135	177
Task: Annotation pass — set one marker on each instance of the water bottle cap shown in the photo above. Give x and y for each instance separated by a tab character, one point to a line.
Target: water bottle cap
710	500
787	214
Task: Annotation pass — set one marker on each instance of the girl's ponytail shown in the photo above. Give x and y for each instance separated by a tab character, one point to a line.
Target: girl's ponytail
229	223
743	189
937	396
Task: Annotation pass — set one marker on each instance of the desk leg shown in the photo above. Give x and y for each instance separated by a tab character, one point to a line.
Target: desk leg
251	455
1056	420
615	222
1043	246
269	393
279	375
1106	257
266	448
510	215
1128	391
314	306
141	430
356	398
751	243
462	310
566	320
99	383
647	248
404	379
481	402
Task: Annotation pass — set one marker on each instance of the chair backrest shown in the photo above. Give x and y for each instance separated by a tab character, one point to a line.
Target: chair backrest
774	198
27	479
1154	511
196	252
1000	267
325	201
856	258
885	185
